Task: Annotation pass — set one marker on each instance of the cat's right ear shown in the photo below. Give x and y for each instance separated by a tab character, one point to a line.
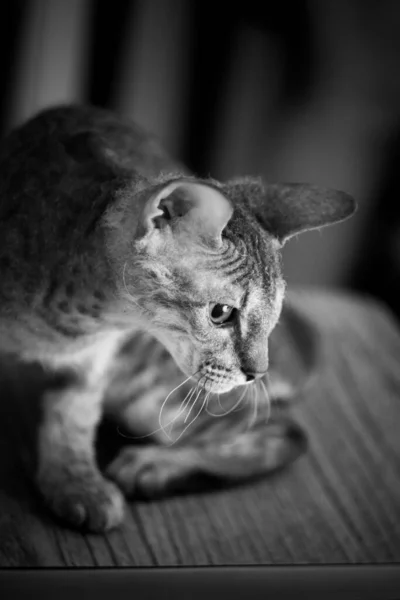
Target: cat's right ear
287	209
185	208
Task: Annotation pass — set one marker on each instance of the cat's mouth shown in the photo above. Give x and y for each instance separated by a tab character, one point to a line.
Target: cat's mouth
217	383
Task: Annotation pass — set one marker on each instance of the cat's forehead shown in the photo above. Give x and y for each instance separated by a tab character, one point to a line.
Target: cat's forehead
237	281
206	284
245	264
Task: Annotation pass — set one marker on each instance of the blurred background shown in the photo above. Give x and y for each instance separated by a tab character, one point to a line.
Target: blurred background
305	90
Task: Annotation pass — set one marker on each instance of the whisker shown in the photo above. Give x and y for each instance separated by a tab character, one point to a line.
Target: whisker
182	407
267	385
246	391
238	429
181	410
255	408
193	420
128	437
166	400
193	403
268	400
208	399
185	404
204	403
161	428
231	409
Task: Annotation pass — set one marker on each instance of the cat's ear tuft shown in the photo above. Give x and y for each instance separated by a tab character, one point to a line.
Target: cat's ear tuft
197	209
285	210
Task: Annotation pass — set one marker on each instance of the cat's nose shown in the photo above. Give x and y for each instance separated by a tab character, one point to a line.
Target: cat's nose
253	375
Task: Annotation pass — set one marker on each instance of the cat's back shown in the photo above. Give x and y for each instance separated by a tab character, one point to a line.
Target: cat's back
57	133
59	172
66	156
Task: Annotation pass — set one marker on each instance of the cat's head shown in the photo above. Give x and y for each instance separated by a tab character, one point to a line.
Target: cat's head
207	268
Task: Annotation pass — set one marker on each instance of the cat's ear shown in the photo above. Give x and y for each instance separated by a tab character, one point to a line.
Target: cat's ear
285	210
196	209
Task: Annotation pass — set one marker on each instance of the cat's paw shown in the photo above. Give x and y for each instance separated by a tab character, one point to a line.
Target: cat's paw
144	472
90	503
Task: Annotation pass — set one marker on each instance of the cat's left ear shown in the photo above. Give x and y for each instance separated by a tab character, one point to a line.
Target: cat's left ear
288	209
197	209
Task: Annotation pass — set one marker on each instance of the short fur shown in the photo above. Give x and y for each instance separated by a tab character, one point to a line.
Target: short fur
108	249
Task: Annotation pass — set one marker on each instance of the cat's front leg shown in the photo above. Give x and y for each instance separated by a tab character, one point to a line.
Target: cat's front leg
67	475
228	455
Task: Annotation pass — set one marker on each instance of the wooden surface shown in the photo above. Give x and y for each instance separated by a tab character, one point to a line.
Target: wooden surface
339	503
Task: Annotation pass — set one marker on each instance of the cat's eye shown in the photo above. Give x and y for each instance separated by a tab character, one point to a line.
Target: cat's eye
221	313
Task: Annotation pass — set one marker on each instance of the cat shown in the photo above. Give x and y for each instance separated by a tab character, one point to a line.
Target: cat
113	254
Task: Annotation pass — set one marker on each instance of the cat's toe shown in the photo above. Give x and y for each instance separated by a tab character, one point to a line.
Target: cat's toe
152	481
95	505
139	473
124	469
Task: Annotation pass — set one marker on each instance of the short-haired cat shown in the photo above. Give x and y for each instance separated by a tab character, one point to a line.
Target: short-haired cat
112	258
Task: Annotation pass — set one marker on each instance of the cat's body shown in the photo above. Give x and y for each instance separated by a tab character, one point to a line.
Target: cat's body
108	248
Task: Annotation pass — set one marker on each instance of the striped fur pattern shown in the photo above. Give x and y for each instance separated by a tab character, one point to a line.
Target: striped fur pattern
116	307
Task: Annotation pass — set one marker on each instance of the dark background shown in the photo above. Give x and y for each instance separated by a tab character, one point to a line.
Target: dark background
292	91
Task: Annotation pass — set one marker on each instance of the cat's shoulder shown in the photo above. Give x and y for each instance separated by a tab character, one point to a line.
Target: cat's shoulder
84	133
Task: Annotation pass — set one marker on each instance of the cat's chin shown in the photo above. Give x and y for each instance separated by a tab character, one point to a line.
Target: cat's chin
218	389
222	387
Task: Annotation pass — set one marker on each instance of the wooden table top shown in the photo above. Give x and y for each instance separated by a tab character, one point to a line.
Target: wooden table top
339	503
